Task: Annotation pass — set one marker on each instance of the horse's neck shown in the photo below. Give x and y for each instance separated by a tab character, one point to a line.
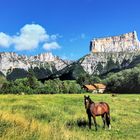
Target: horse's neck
88	110
91	103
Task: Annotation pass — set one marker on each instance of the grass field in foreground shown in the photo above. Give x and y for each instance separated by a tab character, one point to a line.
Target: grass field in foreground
63	117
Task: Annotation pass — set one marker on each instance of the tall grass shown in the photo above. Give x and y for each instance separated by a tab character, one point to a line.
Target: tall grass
63	117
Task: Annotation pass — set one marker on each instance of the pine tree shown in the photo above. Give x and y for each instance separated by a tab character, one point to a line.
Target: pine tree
32	81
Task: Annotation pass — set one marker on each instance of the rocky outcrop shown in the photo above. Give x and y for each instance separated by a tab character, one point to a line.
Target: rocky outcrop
11	60
123	43
101	62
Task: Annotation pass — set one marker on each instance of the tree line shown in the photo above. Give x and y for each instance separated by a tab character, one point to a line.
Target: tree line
31	85
125	81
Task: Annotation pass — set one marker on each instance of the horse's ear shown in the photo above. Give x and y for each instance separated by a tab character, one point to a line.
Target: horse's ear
84	96
88	96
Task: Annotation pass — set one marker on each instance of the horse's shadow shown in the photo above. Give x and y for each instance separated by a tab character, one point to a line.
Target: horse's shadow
80	123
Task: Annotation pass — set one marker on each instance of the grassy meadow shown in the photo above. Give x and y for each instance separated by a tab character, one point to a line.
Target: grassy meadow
63	117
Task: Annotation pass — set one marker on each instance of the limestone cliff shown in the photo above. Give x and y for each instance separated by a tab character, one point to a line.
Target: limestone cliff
104	62
11	60
123	43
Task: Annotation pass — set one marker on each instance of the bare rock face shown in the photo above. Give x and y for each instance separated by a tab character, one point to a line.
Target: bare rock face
48	58
123	43
11	60
102	62
44	57
111	53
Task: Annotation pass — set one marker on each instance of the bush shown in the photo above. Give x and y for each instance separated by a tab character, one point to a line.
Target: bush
88	79
126	81
17	87
58	86
2	80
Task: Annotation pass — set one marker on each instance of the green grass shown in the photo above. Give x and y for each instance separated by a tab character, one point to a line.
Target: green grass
63	117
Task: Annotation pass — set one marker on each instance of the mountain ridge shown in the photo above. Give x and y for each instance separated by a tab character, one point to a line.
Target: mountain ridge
48	66
106	54
12	60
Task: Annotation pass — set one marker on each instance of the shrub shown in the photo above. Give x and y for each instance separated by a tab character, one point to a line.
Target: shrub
126	81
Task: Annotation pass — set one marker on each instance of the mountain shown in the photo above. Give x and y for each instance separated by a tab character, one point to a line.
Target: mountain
15	66
70	72
101	62
47	66
109	54
127	42
112	53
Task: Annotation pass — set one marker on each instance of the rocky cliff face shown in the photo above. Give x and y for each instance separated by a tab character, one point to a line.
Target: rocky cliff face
10	61
123	43
101	62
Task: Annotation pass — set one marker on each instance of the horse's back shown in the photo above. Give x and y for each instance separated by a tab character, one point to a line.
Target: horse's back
104	104
100	108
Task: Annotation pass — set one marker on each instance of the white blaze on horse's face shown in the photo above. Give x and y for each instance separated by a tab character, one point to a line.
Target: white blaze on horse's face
87	103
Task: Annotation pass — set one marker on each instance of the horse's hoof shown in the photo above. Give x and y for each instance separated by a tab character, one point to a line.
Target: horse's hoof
109	127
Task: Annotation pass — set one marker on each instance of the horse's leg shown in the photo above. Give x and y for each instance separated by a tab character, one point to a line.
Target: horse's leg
108	120
103	118
89	121
95	123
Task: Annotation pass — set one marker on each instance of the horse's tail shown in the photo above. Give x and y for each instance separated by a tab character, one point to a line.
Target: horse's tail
108	120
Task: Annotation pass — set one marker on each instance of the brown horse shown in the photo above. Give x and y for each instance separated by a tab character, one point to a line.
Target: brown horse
97	109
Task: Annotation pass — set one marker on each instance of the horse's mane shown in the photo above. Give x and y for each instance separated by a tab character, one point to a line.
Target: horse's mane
90	101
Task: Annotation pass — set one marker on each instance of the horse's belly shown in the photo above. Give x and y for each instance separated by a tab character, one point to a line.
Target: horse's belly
99	111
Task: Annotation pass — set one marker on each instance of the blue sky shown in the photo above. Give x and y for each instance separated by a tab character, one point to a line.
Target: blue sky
63	27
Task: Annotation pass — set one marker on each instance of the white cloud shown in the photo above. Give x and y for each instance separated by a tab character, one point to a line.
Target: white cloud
5	40
51	45
29	38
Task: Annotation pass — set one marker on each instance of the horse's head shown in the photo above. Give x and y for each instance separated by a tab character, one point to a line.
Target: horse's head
87	101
